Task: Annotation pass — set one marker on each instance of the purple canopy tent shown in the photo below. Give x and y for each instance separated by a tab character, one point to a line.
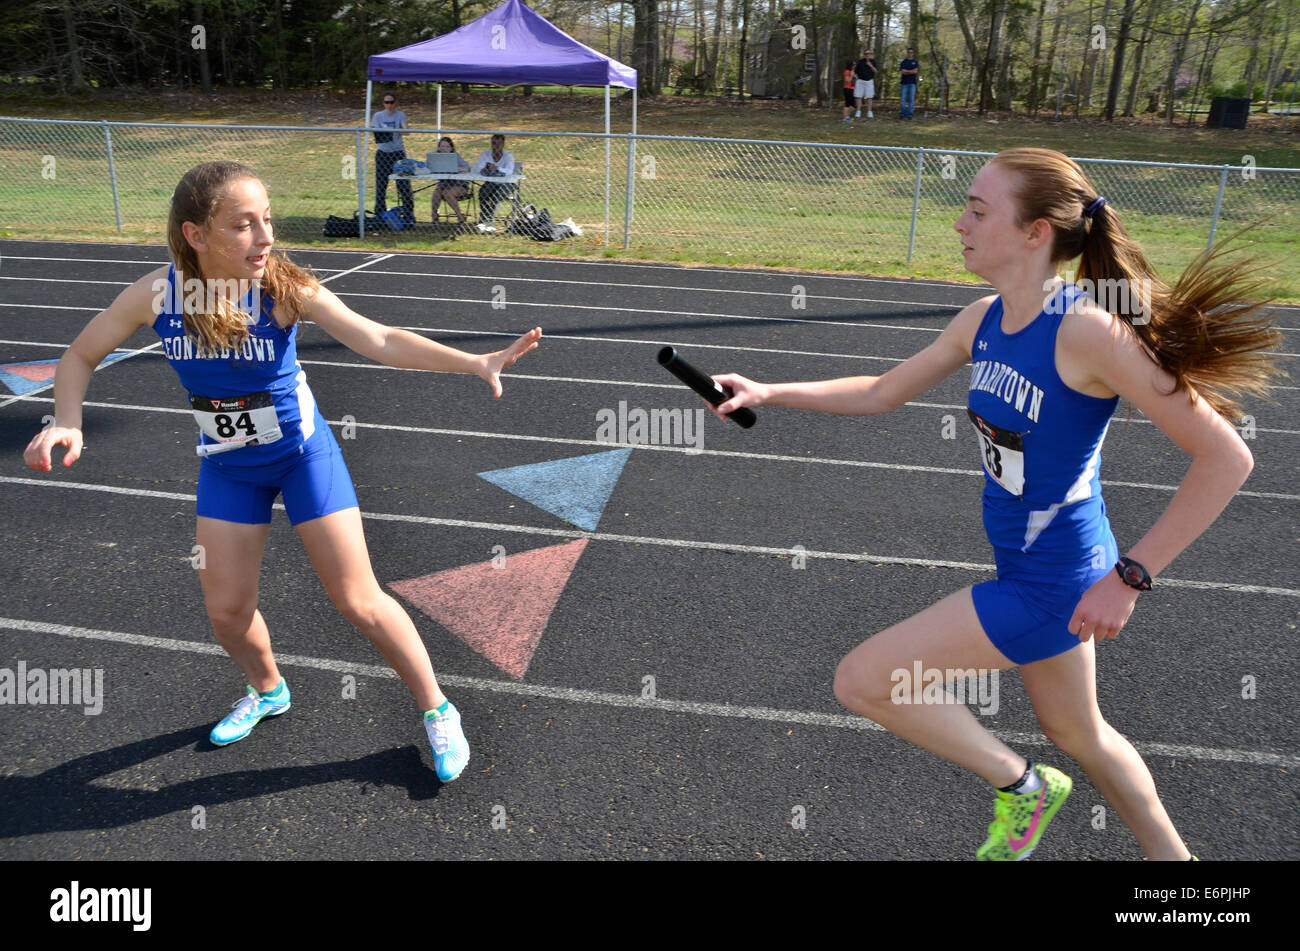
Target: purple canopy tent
506	46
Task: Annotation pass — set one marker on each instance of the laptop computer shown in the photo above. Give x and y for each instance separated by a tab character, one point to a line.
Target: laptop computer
443	163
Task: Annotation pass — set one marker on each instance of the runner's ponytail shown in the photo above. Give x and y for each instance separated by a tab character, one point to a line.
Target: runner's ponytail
1207	330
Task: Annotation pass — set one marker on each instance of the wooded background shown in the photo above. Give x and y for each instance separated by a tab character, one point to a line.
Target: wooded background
1095	57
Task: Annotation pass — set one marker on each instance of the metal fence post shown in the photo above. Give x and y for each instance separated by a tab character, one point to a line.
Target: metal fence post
916	199
630	194
112	176
1218	203
361	184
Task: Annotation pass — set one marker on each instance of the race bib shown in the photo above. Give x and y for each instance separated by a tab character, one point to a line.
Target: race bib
1003	454
236	421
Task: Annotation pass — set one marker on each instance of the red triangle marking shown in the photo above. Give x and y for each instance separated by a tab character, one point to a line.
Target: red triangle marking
36	372
499	612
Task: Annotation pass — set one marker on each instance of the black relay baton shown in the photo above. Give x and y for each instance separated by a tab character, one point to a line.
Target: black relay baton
715	394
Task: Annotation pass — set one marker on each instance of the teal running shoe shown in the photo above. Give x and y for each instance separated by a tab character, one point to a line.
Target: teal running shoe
450	748
1019	821
248	713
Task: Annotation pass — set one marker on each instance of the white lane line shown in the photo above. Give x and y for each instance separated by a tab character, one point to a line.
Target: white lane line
570	307
41	389
621	285
563	336
728	453
633	340
632	701
861	325
866	557
375	259
980	290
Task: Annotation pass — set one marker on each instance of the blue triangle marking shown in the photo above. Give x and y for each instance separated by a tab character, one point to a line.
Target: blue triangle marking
113	358
575	490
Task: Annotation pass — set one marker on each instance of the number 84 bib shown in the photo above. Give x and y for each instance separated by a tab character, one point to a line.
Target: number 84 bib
1003	454
236	421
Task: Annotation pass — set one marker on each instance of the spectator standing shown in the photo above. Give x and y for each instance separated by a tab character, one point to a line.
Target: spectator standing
911	73
849	83
387	153
865	85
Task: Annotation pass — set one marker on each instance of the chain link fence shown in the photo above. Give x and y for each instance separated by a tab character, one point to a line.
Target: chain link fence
872	209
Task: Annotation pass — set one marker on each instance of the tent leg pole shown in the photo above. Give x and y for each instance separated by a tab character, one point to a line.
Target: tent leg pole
631	178
439	111
365	154
606	166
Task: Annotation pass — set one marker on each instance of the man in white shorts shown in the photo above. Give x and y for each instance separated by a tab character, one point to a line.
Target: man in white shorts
864	85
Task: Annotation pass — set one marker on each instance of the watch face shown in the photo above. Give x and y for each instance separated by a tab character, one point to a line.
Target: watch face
1133	574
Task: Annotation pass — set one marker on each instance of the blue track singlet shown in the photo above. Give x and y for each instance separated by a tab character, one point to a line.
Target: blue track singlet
242	392
267	361
1040	443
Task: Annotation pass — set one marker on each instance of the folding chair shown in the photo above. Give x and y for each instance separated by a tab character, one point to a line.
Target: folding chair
468	207
512	195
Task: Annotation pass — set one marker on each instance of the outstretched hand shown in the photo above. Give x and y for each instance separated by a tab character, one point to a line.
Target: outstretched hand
494	363
39	452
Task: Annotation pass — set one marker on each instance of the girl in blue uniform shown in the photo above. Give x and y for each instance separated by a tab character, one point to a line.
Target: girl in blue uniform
227	311
1047	368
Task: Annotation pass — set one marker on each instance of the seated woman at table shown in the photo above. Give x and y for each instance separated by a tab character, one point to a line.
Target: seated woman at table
450	190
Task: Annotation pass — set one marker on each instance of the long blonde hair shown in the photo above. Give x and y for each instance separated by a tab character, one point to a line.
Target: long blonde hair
1207	330
196	199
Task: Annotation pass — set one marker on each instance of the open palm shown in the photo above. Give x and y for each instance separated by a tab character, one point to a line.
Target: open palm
496	362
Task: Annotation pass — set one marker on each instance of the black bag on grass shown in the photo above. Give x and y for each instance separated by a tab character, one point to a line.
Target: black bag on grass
336	227
537	225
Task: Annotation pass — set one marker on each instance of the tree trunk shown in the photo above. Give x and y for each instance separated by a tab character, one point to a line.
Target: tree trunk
645	46
1252	63
1179	51
1276	57
1100	74
744	46
205	71
1035	73
991	56
1152	12
1117	67
76	75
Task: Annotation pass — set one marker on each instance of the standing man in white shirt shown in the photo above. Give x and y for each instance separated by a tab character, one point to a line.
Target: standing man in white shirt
495	161
387	153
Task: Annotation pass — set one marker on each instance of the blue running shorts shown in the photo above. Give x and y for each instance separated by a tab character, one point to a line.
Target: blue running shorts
1026	613
314	483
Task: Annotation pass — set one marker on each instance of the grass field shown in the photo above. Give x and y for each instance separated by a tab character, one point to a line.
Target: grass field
695	202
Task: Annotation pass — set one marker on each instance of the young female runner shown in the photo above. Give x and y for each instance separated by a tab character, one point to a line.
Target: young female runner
261	433
1048	368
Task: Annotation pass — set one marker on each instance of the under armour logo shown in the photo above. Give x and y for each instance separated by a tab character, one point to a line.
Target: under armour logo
984	345
175	323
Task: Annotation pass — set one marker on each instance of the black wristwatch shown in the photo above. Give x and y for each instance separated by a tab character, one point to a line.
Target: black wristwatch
1134	575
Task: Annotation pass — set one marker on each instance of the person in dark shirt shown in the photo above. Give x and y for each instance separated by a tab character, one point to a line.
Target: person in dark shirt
911	71
865	86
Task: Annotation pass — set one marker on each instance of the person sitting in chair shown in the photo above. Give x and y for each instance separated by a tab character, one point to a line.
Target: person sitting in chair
496	161
450	190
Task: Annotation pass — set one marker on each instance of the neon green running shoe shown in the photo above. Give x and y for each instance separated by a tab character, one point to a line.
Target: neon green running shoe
1019	821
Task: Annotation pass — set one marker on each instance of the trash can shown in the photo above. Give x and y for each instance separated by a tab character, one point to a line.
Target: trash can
1227	112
